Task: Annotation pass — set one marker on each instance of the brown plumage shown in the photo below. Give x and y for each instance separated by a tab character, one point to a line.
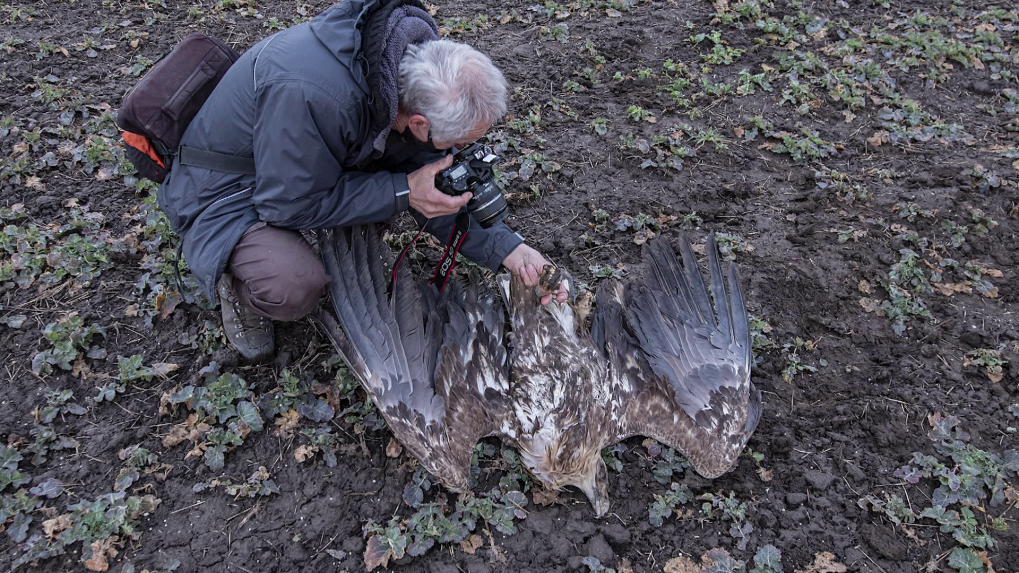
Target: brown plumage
667	356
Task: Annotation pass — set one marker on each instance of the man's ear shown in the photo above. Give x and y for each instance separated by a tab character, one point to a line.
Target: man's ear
419	126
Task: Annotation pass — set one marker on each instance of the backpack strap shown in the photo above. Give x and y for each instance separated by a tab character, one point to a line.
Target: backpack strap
215	161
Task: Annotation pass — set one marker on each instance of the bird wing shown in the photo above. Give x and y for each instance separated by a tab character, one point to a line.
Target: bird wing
434	363
679	354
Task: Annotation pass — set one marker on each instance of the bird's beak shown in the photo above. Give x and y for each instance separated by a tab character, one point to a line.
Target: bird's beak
596	487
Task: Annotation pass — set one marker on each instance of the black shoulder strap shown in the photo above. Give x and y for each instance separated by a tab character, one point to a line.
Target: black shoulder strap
215	161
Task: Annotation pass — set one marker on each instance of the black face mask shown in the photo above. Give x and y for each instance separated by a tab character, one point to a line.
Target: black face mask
406	140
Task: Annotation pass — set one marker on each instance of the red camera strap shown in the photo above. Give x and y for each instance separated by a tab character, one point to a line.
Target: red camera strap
456	239
445	267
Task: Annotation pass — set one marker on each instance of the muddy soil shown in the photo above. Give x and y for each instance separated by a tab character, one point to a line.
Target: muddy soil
833	431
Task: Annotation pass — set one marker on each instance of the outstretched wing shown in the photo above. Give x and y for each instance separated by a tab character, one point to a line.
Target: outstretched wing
433	363
679	353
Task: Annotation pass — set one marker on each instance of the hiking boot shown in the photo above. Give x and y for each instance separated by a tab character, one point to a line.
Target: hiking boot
249	332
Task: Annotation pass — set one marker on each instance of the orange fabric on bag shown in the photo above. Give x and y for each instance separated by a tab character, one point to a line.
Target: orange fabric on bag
142	143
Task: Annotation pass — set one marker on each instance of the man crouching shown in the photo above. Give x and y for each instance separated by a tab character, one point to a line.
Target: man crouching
348	117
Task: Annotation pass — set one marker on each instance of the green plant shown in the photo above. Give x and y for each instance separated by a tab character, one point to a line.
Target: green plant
58	402
721	508
131	370
224	407
274	24
46	440
667	462
907	272
135	458
901	306
838	183
640	222
759	329
600	126
320	440
982	223
791	354
709	135
429	525
747	83
299	394
729	244
967	476
910	211
807	146
956	232
572	86
208	337
102	526
528	124
46	50
715	89
141	63
990	359
637	113
9	473
668	503
983	179
611	455
768	559
559	32
68	340
607	272
18	509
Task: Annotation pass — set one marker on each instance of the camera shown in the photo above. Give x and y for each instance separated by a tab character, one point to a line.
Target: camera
472	170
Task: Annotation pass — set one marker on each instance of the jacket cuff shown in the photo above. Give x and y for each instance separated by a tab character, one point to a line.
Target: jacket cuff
502	249
402	189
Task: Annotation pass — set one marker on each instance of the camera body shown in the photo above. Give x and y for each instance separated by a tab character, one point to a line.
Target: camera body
472	170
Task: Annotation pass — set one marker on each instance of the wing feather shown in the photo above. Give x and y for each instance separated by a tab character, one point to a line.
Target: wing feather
434	363
679	356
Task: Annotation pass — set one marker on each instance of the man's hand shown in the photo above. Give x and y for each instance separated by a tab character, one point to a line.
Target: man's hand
527	263
426	199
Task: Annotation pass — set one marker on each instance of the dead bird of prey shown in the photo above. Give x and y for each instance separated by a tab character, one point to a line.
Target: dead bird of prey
667	356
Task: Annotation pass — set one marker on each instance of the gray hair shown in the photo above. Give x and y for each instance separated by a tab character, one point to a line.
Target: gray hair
453	85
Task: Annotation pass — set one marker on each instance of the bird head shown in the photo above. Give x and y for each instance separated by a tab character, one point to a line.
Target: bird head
593	480
581	467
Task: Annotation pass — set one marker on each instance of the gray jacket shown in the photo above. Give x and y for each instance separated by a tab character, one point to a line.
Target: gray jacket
305	114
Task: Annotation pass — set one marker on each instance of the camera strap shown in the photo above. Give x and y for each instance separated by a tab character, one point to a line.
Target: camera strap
448	260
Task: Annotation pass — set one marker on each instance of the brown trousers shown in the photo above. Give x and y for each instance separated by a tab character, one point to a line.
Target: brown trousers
276	272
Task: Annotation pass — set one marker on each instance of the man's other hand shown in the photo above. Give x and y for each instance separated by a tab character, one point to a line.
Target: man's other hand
426	199
527	263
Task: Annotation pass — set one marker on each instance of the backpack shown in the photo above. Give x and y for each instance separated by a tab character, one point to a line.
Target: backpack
156	112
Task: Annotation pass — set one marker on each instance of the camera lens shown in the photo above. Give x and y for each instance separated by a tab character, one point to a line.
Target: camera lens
488	206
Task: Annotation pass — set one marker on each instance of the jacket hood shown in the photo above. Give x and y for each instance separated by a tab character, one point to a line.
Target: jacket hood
339	29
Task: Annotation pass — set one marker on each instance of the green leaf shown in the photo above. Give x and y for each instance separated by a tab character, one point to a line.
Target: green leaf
18	530
315	410
376	553
768	559
183	395
131	369
214	457
9	457
14	321
249	414
126	477
966	560
719	561
49	489
13	477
